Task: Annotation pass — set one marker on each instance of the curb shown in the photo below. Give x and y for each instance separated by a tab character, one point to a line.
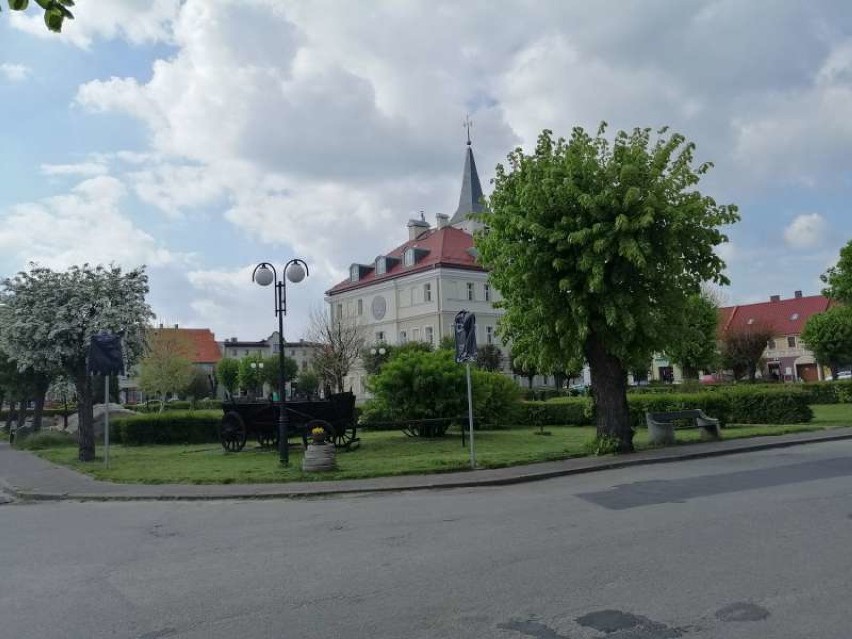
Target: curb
465	482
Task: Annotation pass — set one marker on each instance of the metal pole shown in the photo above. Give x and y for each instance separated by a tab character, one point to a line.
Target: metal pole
106	420
280	302
470	419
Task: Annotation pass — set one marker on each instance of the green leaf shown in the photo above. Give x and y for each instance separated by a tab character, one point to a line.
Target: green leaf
18	5
53	19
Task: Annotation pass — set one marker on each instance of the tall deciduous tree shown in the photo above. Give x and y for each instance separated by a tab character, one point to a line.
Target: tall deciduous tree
167	364
596	247
270	370
742	349
340	342
55	11
839	277
829	336
49	319
694	344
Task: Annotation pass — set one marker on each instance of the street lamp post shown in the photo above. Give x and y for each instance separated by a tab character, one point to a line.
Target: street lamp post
265	274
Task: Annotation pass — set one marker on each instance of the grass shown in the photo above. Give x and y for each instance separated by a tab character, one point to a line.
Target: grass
383	454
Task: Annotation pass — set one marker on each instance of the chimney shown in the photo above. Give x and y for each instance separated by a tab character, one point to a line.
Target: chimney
416	228
797	294
441	220
775	298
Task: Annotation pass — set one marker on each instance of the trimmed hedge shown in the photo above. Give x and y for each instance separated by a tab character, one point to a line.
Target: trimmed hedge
575	411
172	427
829	392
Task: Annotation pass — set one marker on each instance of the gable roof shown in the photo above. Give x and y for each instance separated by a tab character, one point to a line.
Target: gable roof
203	346
784	317
447	247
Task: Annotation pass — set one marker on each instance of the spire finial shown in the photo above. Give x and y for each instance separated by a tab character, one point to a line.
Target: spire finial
467	124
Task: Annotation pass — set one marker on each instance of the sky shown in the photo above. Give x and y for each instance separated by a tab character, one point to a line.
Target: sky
202	137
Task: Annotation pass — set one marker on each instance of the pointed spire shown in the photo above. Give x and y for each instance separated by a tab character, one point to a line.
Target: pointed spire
470	199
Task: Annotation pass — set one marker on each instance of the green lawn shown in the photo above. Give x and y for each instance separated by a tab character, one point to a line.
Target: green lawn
382	453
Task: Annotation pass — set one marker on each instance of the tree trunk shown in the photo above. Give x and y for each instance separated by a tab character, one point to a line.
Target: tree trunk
11	414
22	411
609	382
41	387
86	427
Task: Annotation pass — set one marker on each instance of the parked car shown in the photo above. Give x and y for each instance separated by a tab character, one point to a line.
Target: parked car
844	374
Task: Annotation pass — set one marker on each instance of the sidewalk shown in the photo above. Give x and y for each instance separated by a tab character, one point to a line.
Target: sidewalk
27	477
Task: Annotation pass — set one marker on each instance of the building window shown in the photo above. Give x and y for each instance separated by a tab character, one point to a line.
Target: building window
470	291
360	307
415	334
489	334
304	365
292	352
427	292
381	266
429	335
791	341
340	311
771	345
354	272
408	257
403	337
380	336
488	293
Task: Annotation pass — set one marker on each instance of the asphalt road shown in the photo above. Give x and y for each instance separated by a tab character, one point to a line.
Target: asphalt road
746	546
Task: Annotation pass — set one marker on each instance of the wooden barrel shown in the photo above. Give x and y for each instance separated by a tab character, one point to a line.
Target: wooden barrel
319	457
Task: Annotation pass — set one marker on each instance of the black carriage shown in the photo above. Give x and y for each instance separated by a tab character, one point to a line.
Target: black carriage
259	420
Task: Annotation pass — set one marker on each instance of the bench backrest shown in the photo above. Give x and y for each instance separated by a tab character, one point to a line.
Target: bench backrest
675	415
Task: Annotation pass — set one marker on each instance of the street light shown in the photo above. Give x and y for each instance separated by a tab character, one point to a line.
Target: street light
265	274
257	381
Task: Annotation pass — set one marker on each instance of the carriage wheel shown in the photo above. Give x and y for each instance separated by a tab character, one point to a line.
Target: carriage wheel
232	432
344	436
268	437
329	429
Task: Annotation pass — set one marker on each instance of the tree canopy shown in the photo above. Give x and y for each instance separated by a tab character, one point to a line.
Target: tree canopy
742	349
55	11
829	336
596	248
167	365
50	317
693	345
839	277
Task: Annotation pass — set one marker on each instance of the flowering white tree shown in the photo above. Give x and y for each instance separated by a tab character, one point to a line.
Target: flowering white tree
49	317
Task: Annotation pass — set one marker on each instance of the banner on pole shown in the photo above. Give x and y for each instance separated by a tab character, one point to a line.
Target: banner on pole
105	354
465	334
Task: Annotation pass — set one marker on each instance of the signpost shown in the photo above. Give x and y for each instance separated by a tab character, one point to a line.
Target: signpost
106	357
465	334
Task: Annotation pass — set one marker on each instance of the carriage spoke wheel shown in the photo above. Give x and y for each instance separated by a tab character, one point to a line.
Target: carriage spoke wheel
343	437
232	432
268	438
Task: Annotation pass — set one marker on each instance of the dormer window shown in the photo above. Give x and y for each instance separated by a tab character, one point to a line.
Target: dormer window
408	257
354	273
381	266
794	317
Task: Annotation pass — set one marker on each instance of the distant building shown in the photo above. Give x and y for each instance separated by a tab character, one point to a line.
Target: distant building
303	352
786	357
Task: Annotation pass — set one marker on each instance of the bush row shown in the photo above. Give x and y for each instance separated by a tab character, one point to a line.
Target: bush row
829	392
172	427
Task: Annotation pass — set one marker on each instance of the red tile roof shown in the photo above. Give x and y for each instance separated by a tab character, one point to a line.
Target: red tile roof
448	246
205	350
785	317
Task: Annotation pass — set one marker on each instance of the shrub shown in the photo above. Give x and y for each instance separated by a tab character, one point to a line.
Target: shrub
426	385
172	427
42	439
574	411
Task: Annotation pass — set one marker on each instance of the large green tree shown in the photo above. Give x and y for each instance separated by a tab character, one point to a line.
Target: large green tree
55	11
839	277
694	344
228	374
829	336
742	349
596	247
49	318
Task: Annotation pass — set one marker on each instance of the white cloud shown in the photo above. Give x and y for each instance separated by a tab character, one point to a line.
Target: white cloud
14	72
806	231
85	225
136	21
82	169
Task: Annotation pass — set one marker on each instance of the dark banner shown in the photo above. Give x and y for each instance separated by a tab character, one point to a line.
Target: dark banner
465	333
105	354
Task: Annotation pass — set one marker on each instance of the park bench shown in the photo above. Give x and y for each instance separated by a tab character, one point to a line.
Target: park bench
661	426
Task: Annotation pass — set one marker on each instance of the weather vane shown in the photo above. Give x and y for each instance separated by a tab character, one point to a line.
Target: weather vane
467	124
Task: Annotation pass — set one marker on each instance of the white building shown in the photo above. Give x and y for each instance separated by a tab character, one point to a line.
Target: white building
302	352
413	292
